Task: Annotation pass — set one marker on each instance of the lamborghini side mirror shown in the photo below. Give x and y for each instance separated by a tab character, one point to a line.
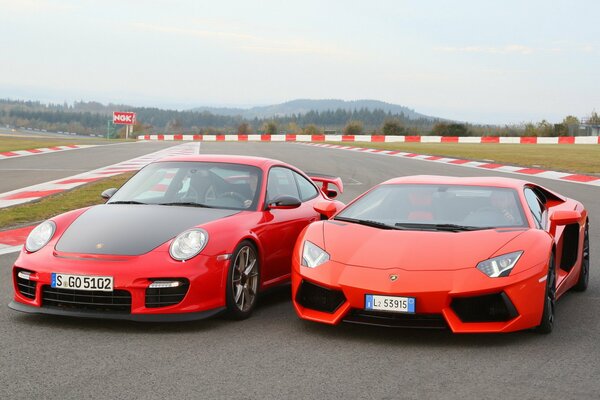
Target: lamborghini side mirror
565	217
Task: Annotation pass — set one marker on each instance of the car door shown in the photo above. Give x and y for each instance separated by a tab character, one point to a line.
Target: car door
537	206
281	227
566	237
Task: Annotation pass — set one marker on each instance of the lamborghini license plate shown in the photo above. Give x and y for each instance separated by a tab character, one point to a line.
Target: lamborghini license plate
375	302
81	282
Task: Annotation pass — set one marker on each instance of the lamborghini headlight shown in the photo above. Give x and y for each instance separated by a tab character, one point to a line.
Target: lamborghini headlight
40	236
187	244
313	255
499	266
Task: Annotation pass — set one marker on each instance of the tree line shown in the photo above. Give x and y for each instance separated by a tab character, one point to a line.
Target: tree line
95	118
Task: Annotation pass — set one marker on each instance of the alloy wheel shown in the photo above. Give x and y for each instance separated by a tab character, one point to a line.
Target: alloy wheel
244	279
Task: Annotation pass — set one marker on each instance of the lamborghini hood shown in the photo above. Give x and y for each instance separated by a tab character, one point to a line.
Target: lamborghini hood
363	246
117	229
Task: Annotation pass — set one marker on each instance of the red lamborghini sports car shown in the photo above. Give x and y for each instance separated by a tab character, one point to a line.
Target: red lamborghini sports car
183	239
469	254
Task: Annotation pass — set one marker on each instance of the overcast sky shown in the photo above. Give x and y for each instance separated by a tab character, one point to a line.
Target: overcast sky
478	61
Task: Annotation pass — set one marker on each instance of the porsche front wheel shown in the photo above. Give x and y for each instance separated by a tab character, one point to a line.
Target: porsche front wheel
547	322
242	281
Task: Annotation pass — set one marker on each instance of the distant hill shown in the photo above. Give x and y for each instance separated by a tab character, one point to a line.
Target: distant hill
303	106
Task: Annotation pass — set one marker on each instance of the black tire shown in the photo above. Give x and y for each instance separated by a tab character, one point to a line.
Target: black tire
584	275
243	280
547	323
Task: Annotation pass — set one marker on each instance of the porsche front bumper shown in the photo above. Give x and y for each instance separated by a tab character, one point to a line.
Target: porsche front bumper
118	316
200	295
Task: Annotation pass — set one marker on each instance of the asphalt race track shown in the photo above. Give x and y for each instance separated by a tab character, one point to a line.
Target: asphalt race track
274	355
25	171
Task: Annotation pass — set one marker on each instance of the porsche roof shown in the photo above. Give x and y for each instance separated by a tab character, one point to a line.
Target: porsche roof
234	159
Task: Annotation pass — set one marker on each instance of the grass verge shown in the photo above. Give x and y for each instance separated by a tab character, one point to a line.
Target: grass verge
577	158
50	206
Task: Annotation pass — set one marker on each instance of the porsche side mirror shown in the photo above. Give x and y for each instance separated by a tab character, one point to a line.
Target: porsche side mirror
284	203
565	217
108	193
332	194
325	208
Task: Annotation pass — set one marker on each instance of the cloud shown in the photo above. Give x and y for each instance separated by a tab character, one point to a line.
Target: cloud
193	32
31	6
244	41
508	49
555	47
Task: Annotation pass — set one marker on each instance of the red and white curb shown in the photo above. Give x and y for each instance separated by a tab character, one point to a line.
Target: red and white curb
41	190
378	139
559	176
12	241
43	150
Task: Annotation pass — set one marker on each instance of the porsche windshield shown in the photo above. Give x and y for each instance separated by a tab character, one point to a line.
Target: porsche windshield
194	184
437	207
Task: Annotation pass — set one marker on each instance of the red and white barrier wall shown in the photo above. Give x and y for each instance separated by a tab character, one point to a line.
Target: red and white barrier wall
379	138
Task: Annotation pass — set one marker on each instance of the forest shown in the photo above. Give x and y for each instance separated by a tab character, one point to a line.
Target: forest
96	118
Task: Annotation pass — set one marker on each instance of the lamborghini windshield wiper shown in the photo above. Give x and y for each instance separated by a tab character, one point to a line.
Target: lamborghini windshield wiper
367	222
185	204
127	202
442	227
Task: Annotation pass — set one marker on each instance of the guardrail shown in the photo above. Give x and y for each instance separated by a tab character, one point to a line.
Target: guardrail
379	139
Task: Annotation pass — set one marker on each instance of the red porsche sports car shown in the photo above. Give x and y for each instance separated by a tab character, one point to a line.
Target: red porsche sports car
183	239
471	254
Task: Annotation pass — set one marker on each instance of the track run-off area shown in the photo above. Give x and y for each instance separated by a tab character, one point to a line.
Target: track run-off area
274	354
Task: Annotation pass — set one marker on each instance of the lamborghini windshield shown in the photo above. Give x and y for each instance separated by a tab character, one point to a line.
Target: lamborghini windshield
437	207
193	184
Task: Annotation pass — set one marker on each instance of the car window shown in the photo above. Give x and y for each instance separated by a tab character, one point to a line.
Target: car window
281	182
155	185
406	204
307	189
209	184
536	207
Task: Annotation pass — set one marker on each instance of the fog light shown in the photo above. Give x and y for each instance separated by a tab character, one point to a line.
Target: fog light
24	275
164	284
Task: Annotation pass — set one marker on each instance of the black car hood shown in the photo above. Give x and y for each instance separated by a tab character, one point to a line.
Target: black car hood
119	229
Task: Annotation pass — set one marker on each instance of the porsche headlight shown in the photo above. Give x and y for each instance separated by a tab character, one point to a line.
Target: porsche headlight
313	255
40	236
499	266
187	244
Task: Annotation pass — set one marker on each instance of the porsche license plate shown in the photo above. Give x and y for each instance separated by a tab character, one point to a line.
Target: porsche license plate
375	302
82	282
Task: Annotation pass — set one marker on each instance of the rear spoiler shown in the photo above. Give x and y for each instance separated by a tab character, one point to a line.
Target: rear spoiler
327	180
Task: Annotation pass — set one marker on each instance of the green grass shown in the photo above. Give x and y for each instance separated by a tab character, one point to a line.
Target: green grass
577	158
50	206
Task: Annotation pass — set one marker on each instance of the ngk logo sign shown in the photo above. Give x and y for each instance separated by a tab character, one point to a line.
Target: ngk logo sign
123	118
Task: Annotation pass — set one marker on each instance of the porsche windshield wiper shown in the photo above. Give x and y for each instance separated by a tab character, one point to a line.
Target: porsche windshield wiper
185	204
127	202
442	227
367	222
